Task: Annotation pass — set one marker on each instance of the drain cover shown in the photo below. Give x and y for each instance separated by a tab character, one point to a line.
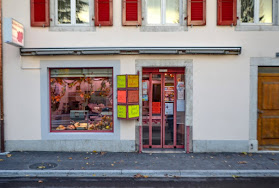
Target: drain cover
42	166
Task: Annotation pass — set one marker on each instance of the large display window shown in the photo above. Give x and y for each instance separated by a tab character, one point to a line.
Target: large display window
81	99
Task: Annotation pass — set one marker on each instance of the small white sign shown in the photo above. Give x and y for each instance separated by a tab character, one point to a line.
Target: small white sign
163	70
168	108
13	32
180	105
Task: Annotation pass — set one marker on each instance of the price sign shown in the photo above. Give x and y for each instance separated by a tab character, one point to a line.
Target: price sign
121	111
133	81
133	111
133	96
121	96
121	81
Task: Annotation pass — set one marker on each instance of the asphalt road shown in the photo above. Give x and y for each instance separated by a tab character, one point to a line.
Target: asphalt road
141	182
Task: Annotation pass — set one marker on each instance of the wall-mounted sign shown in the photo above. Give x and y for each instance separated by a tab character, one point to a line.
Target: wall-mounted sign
121	96
133	111
13	32
133	96
121	81
133	80
121	111
128	96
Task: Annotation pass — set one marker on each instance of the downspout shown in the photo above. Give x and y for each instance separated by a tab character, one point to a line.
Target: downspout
1	85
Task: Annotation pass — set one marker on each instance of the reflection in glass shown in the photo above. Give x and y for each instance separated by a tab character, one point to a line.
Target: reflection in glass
156	132
81	99
145	134
64	11
172	11
153	11
265	11
82	11
247	11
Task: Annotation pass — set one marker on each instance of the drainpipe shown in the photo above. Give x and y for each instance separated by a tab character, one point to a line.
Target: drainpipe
1	85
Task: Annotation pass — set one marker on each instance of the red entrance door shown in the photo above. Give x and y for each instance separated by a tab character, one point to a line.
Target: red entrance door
163	107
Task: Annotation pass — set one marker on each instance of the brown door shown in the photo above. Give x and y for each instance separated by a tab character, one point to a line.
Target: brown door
268	111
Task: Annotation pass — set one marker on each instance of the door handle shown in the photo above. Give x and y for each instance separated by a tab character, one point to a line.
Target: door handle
260	111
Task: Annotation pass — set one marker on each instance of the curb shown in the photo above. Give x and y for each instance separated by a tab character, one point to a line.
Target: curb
146	173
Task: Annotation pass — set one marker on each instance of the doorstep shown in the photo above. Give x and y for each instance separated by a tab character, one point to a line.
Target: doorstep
156	150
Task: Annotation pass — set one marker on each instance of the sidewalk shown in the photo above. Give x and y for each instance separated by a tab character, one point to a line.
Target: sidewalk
96	164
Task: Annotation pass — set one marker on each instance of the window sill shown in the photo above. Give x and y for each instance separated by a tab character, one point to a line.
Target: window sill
72	28
163	28
257	28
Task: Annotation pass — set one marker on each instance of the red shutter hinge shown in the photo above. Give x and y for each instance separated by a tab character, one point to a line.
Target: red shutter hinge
93	18
185	18
142	18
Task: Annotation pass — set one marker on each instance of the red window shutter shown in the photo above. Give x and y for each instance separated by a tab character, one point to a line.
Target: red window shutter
226	12
131	13
39	13
196	12
103	12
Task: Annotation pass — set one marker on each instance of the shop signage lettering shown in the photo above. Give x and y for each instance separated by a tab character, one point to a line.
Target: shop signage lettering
13	32
133	111
121	111
121	96
121	81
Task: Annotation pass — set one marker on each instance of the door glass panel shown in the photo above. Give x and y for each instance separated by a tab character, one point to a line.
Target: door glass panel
156	110
180	114
145	109
169	108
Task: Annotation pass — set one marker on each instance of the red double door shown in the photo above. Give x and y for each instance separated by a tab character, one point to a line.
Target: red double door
163	112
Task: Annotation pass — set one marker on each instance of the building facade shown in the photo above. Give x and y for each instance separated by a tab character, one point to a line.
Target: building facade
208	75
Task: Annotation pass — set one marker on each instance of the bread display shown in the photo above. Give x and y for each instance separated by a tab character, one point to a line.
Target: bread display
71	127
61	127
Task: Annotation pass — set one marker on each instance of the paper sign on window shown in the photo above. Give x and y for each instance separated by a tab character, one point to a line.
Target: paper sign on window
121	111
133	111
156	107
121	96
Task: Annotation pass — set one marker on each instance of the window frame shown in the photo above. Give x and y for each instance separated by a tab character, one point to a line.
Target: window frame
181	26
257	13
79	131
163	14
54	26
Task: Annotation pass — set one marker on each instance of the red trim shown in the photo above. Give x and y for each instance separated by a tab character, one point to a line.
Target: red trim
150	109
174	111
196	12
103	12
135	15
226	14
140	139
39	9
188	139
74	131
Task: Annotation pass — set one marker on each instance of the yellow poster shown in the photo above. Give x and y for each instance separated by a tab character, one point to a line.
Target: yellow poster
133	111
133	80
121	81
121	111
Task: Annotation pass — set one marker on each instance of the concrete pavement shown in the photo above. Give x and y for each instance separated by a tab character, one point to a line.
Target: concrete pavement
102	164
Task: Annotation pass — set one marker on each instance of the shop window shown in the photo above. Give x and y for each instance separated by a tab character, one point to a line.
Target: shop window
256	12
81	100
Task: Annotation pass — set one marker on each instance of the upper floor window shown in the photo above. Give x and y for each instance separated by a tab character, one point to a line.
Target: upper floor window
72	12
256	11
163	12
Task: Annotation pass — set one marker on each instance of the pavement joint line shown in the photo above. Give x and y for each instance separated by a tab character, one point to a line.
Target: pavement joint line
131	173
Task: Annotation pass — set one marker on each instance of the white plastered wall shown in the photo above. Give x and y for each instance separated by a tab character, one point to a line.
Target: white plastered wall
221	83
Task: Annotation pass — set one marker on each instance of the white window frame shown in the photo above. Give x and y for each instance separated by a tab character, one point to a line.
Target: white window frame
163	14
256	14
73	14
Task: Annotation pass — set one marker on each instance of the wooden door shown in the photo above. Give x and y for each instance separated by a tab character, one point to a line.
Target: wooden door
268	111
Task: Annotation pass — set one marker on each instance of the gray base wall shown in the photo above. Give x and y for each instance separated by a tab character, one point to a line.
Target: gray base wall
222	146
71	145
